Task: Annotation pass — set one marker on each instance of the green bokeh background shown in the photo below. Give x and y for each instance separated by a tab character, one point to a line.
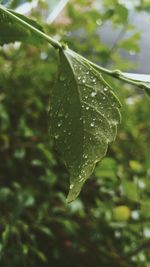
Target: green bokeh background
109	224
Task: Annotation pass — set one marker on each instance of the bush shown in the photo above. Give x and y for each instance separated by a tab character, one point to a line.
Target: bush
109	224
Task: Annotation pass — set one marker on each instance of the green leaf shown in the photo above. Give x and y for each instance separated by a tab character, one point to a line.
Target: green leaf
83	117
131	43
147	91
11	31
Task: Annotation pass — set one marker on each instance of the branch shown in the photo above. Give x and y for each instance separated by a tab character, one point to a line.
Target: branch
120	76
57	45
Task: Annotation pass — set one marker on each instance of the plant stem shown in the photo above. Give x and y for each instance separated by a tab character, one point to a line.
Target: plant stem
119	75
41	34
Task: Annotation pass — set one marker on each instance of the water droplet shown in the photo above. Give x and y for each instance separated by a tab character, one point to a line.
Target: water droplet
132	52
43	55
62	78
59	124
105	89
92	124
93	94
83	80
94	80
81	180
71	186
56	136
87	108
79	78
98	22
104	97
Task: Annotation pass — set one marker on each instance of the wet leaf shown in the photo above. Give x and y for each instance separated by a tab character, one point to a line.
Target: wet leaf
83	117
148	91
11	31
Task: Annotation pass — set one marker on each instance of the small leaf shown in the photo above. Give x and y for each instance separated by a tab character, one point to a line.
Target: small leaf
83	117
11	31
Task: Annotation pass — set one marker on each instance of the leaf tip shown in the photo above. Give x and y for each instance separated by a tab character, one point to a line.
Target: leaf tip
74	191
72	195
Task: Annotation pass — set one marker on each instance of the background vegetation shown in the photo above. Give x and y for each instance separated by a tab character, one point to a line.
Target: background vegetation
109	224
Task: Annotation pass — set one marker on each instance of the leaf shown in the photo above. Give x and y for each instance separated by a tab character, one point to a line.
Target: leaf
11	31
148	91
144	79
131	43
83	117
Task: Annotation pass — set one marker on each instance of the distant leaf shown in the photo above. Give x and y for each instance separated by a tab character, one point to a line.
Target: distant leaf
11	31
83	117
131	43
120	14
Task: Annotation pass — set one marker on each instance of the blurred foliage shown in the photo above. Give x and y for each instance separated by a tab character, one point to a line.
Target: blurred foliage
109	224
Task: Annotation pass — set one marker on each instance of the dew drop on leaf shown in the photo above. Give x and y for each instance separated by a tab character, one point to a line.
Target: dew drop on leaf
71	186
93	94
62	78
59	124
66	116
56	136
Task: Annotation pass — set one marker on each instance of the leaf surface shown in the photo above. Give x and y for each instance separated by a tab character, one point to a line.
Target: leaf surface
11	31
148	90
83	117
